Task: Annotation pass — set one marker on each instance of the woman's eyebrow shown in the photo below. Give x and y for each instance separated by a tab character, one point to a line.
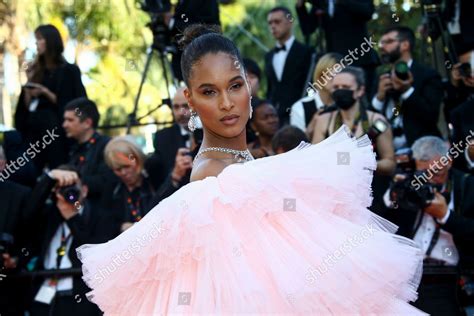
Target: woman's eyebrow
210	85
236	77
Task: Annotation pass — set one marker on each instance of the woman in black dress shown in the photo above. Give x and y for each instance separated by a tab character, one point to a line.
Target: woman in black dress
52	83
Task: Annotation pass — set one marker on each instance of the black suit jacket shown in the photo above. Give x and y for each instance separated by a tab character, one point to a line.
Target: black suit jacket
462	118
94	171
161	162
91	227
14	212
13	220
343	31
421	110
293	82
460	222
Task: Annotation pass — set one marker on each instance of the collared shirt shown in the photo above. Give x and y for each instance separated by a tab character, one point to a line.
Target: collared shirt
454	26
397	120
444	249
185	132
331	7
51	256
297	114
279	58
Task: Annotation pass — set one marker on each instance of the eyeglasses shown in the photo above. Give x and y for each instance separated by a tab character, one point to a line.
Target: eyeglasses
388	41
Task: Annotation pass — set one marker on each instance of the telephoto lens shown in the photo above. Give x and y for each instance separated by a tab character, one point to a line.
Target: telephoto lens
402	70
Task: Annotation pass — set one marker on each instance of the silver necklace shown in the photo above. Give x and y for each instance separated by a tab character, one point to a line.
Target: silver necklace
239	155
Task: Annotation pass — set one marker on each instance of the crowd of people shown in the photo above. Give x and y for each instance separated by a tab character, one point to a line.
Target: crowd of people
81	186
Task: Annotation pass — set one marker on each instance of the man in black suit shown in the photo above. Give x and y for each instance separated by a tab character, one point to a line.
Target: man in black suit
412	105
60	228
287	65
172	144
462	118
443	227
81	119
344	23
14	237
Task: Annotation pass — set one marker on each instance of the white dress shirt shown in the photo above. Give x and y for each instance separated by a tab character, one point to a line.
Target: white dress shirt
444	249
64	283
279	58
185	132
297	114
398	141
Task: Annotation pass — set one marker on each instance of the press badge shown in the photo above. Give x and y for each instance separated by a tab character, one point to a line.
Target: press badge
46	293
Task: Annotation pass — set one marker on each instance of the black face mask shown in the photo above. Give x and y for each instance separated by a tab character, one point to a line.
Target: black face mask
344	98
392	57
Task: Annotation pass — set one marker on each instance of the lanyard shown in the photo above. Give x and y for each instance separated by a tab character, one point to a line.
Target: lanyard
61	251
134	206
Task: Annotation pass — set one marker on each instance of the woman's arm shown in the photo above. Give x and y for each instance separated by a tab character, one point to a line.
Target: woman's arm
320	122
386	162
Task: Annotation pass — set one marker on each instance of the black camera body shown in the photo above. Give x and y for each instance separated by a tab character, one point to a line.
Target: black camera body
404	193
71	193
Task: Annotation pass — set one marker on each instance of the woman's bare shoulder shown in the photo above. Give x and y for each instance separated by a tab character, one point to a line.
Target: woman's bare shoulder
207	168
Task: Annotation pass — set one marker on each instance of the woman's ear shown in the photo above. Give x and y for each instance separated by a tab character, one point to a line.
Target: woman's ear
360	92
187	95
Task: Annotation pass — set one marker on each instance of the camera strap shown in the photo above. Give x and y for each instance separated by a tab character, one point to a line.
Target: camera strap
61	250
434	239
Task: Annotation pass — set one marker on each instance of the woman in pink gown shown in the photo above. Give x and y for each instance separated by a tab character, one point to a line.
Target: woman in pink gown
286	234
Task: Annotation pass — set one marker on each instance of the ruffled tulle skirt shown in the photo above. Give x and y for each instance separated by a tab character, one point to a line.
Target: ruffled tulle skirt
287	234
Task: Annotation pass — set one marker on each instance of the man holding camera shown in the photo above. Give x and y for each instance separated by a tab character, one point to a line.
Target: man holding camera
174	146
407	93
434	205
81	119
62	226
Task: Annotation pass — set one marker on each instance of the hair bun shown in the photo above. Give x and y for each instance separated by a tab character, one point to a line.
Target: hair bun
194	31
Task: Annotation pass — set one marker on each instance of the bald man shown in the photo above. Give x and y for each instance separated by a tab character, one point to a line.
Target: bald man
172	145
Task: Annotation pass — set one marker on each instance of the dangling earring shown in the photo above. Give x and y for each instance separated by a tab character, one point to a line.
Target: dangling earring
251	108
192	121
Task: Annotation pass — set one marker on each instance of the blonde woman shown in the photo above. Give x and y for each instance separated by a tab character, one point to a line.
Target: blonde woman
303	110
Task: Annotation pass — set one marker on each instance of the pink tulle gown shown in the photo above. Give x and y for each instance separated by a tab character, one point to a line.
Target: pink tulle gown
287	234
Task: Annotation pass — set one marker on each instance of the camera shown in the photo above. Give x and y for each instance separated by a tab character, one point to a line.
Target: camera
71	193
403	193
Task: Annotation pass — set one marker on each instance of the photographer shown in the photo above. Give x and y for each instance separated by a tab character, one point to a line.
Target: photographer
13	239
433	205
135	195
462	116
62	226
173	145
407	93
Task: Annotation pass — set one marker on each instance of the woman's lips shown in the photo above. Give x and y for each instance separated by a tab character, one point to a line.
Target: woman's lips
230	120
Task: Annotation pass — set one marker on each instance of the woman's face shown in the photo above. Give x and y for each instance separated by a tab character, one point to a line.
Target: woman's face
127	170
218	91
266	120
40	44
347	81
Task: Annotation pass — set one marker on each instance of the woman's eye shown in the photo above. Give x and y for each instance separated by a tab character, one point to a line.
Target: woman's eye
236	86
208	92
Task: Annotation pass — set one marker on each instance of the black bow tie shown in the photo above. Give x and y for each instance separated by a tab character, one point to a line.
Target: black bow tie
185	137
277	49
